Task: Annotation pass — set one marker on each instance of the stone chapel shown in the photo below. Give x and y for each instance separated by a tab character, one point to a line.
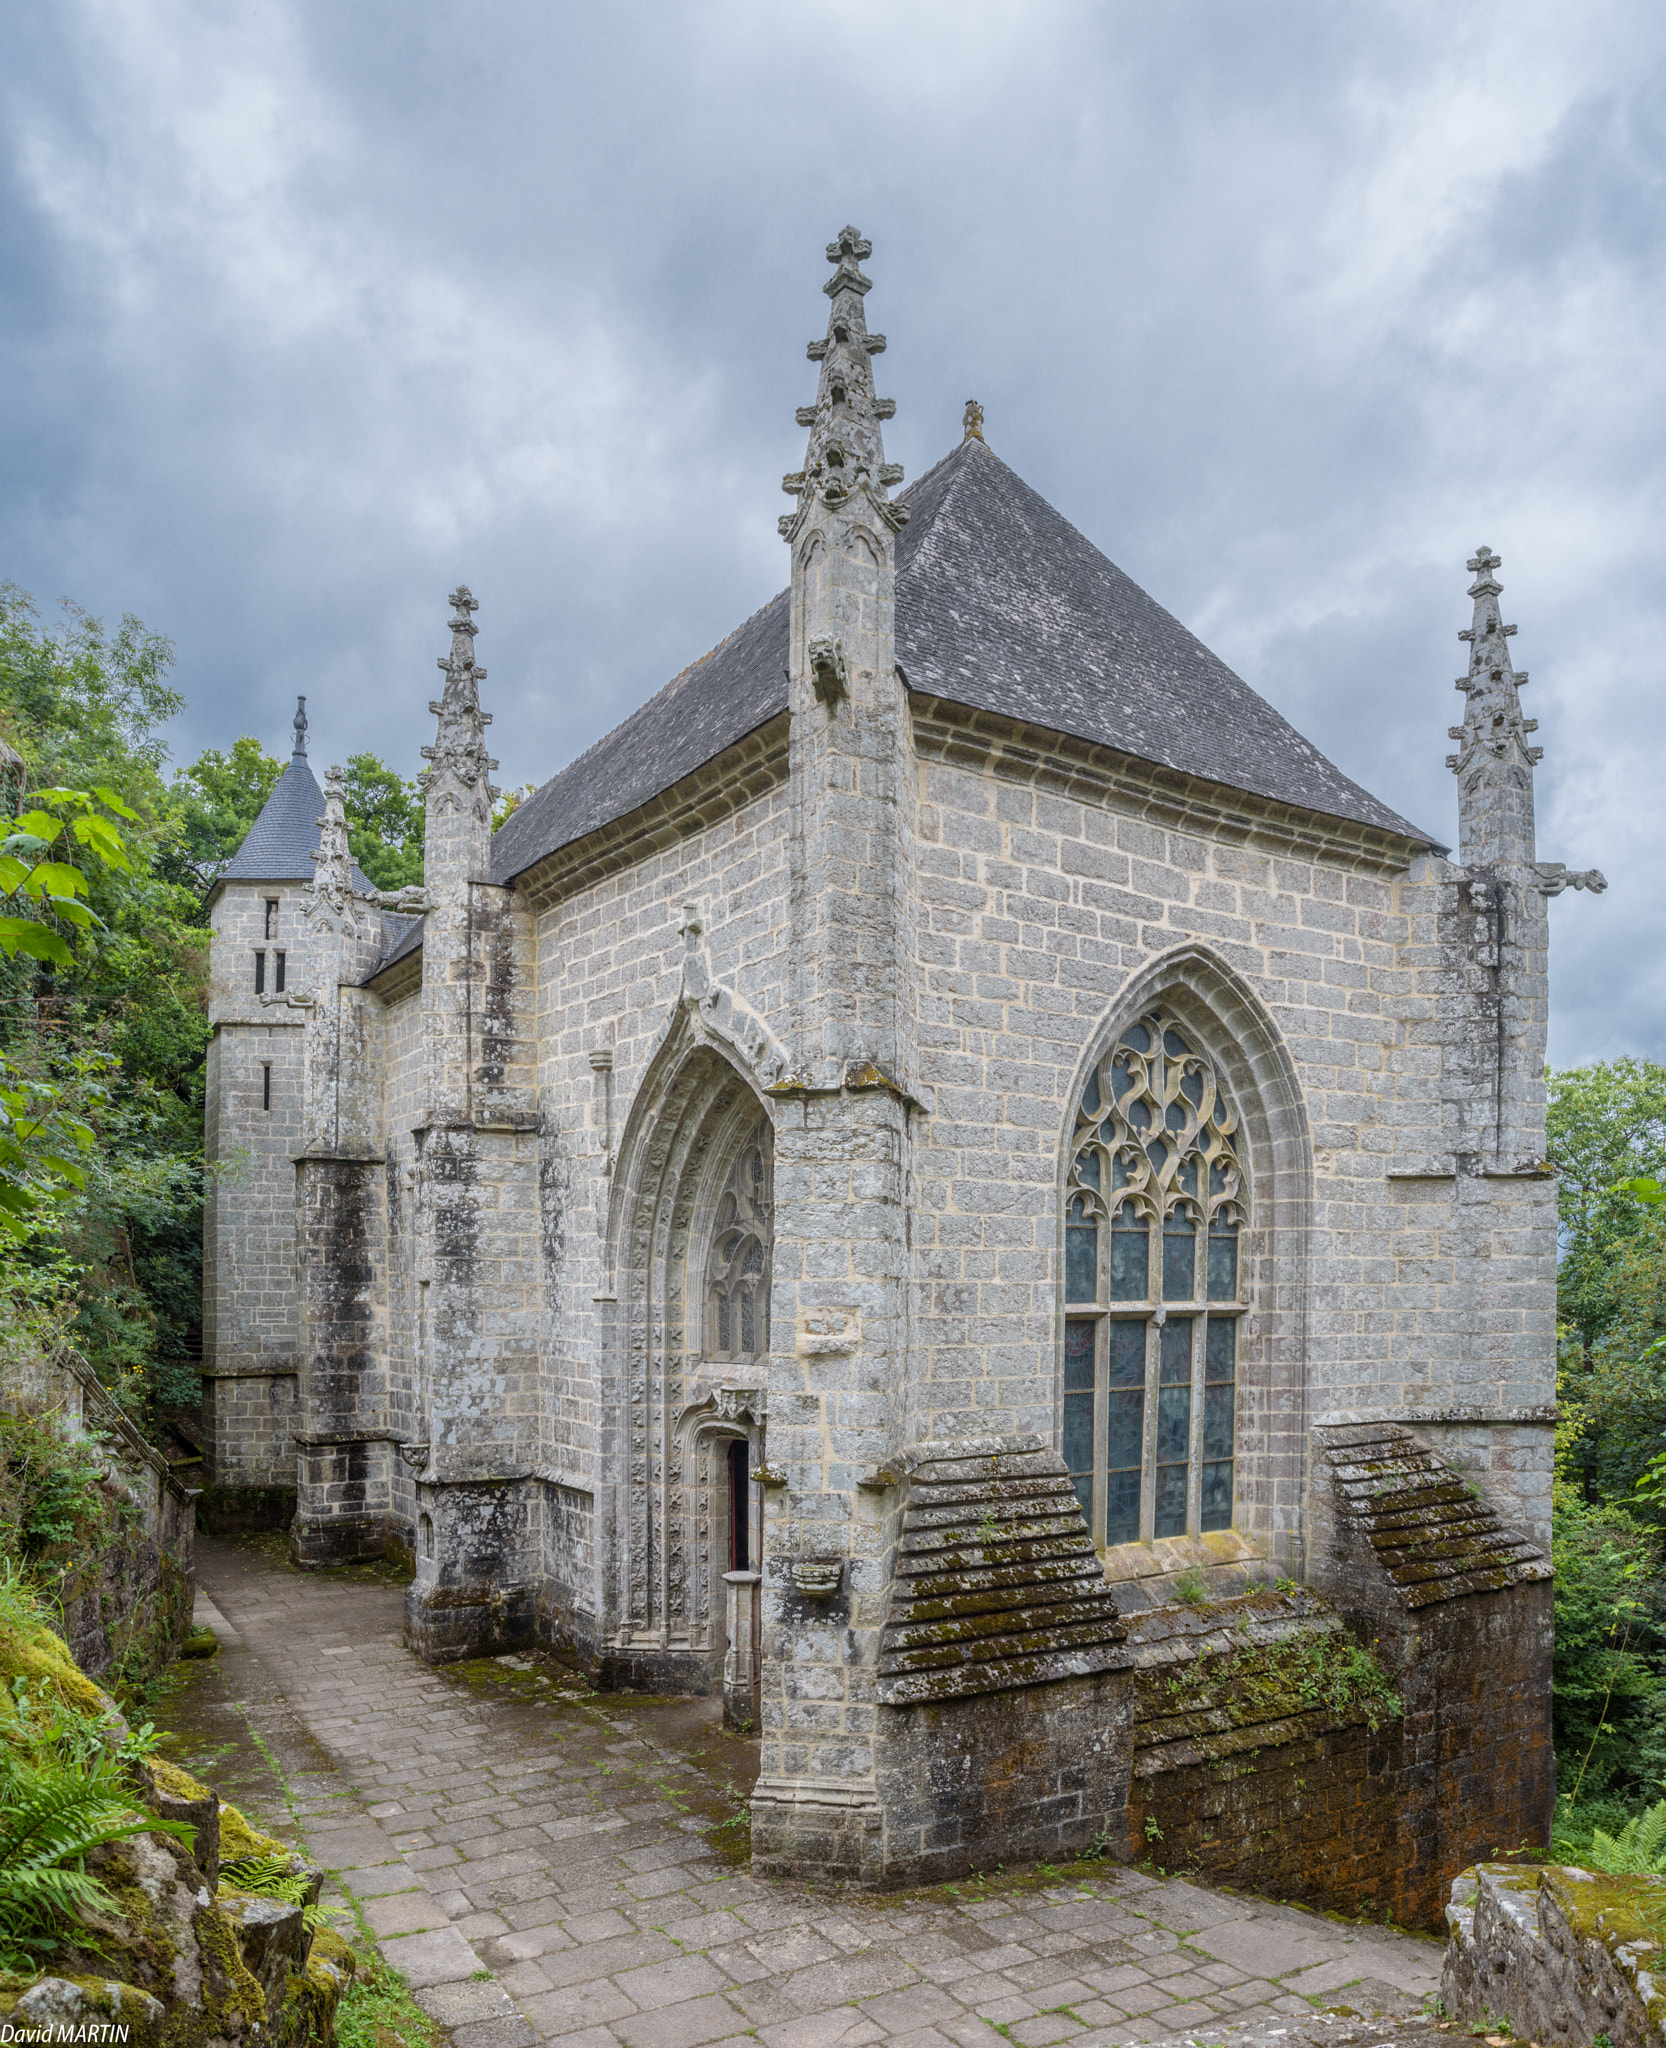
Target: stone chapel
953	1180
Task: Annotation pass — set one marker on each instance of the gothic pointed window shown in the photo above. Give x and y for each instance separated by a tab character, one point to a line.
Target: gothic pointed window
737	1274
1155	1206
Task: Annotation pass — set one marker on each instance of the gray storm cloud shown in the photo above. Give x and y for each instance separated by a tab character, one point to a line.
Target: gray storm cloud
312	310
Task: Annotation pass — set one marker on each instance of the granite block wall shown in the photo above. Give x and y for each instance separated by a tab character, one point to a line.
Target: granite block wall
253	1129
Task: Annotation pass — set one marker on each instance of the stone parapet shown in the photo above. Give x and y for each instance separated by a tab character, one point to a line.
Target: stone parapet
1563	1955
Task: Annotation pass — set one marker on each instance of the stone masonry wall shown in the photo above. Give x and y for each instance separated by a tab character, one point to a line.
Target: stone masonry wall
611	955
251	1302
1059	887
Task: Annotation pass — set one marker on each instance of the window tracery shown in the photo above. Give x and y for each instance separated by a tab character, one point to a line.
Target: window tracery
1155	1205
737	1273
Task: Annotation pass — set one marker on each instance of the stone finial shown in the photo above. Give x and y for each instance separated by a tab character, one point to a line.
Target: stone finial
971	421
845	461
459	747
1494	762
331	895
300	749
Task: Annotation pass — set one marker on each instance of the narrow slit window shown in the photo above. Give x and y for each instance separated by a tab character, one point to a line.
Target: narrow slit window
278	962
1179	1260
260	973
1223	1261
272	917
1130	1256
1081	1253
1125	1432
266	1085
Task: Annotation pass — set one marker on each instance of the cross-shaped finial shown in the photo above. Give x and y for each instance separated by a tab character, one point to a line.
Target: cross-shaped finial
1484	560
850	245
461	601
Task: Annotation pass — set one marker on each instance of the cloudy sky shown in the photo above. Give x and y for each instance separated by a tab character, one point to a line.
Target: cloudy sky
312	309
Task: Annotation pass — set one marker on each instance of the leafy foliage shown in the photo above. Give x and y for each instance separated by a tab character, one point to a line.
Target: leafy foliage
273	1877
46	886
53	1511
1606	1126
1636	1847
103	1038
52	1813
217	799
385	822
1608	1702
66	1781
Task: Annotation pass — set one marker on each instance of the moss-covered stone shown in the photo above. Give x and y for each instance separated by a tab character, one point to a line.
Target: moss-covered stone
1564	1955
175	1958
59	2003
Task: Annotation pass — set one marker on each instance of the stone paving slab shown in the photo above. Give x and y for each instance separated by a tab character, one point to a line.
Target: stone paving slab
544	1865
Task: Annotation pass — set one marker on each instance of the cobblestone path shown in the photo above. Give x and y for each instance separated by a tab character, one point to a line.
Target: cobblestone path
545	1864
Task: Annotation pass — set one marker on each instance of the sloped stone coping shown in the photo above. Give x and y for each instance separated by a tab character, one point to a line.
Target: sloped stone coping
1563	1954
1433	1535
997	1583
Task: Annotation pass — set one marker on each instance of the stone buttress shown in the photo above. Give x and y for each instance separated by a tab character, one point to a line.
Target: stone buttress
1483	1201
841	1122
474	1209
344	1440
868	1703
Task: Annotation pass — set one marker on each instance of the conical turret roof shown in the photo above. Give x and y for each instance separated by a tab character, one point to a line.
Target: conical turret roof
283	839
1001	606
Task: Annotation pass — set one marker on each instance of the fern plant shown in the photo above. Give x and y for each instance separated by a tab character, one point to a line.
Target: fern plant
52	1813
1638	1850
271	1877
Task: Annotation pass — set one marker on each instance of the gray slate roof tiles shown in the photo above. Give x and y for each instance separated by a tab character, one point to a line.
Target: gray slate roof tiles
283	839
1002	606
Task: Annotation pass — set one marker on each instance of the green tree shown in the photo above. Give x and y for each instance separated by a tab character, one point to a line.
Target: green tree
1608	1697
218	798
385	822
1606	1125
82	710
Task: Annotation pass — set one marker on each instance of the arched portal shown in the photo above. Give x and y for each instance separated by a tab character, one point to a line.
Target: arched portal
693	1220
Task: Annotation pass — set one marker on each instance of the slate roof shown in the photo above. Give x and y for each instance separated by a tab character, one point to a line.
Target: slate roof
1002	606
400	936
283	839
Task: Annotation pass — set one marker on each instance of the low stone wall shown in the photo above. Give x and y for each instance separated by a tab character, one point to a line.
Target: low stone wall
1563	1955
1258	1760
1035	1774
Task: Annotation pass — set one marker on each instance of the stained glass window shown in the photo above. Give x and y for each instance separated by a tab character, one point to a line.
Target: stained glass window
1155	1213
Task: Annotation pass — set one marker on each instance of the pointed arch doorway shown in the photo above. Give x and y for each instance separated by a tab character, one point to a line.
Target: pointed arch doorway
695	1240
